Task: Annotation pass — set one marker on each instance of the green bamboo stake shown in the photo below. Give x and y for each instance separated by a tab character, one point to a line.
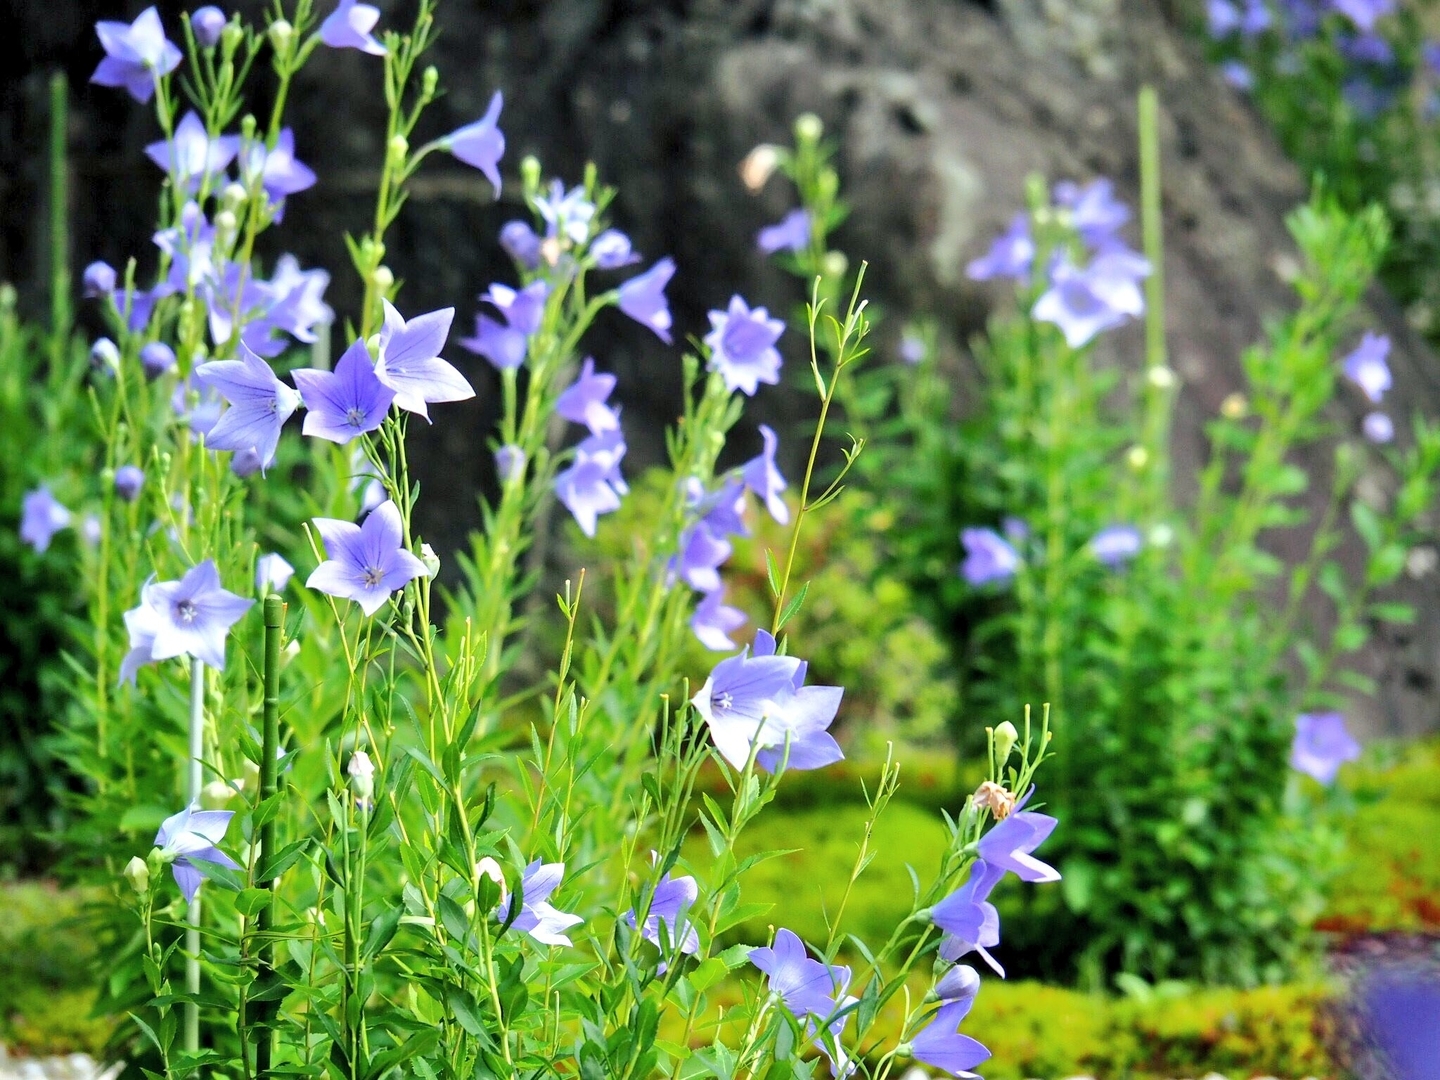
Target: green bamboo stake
269	747
196	778
59	232
1159	379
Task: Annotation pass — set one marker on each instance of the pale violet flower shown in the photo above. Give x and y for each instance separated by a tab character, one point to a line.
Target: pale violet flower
187	841
538	917
41	517
742	346
988	557
272	573
366	563
1322	744
1365	366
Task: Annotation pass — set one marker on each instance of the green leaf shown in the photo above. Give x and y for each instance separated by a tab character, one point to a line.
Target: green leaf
772	574
382	929
1366	523
792	608
708	974
249	901
466	1014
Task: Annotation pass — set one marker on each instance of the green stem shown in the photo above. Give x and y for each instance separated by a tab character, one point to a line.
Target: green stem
269	746
59	237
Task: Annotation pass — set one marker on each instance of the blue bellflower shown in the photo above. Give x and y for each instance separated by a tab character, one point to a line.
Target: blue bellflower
272	573
136	55
583	402
643	298
805	985
742	346
1378	428
410	364
277	168
714	620
41	517
1009	844
98	279
521	243
1222	18
1095	213
939	1043
1116	544
259	404
538	917
790	233
1010	255
481	145
507	344
762	476
1322	744
350	26
128	481
611	250
1237	76
192	155
588	487
970	921
567	214
191	616
1366	366
702	552
346	402
673	897
207	24
509	463
988	557
366	562
187	841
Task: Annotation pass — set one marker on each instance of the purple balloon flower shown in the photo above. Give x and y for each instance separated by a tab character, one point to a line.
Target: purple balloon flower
1009	844
538	917
1116	544
790	233
128	481
1363	13
98	279
1083	303
521	243
349	26
589	487
742	346
272	573
643	298
410	361
157	358
346	402
702	553
583	402
208	23
939	1042
566	213
1378	428
190	616
1010	254
366	562
187	841
969	920
763	477
714	620
1237	76
41	517
506	344
259	404
1366	366
988	557
672	899
280	172
611	250
196	405
192	155
481	144
1322	744
806	986
1095	213
509	463
1222	18
136	54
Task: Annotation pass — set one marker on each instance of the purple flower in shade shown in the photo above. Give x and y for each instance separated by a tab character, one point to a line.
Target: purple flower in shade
1302	18
1430	54
1363	13
1366	99
1257	18
1116	544
136	54
41	517
702	553
714	620
672	899
742	346
346	402
912	349
1075	304
790	233
722	511
192	155
196	405
1366	366
583	402
538	917
1322	744
939	1042
294	302
272	573
1222	18
589	487
988	557
761	701
366	562
481	145
157	358
280	172
410	361
969	920
1010	254
349	26
1094	211
805	985
763	478
1378	428
98	279
643	298
521	243
611	250
192	615
259	404
506	344
509	463
128	481
1237	76
1401	1004
566	213
208	23
1367	48
1009	844
187	842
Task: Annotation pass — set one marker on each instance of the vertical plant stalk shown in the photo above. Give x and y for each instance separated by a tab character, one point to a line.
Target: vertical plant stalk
192	792
59	232
269	747
1158	396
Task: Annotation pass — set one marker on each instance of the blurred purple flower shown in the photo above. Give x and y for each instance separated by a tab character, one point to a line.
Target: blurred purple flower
702	553
521	243
1222	18
1322	744
939	1043
128	482
1237	76
200	414
272	573
1010	254
611	250
673	897
988	557
1378	428
1095	213
208	23
1082	303
136	54
259	404
1367	48
187	842
481	145
279	171
538	917
410	363
1116	544
587	487
367	562
714	620
763	477
509	463
1363	13
912	348
969	920
643	298
1366	366
506	344
98	279
583	402
346	402
157	358
566	213
790	233
1430	54
246	462
192	155
349	26
41	517
742	346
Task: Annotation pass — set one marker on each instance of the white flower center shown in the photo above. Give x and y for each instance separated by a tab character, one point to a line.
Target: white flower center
355	417
186	612
723	701
372	576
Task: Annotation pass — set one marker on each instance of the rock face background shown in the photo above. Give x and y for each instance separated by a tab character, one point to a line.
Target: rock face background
940	107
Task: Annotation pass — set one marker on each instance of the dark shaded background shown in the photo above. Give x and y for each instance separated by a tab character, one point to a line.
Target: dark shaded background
941	108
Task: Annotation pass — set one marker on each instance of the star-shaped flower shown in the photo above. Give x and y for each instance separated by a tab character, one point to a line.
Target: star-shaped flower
366	562
410	364
346	402
187	841
136	54
259	404
742	346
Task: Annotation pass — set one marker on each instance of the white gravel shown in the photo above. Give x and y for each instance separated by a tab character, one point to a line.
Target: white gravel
61	1067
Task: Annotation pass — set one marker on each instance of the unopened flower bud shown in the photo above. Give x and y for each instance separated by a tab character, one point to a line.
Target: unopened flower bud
530	172
216	795
225	223
98	279
429	81
829	184
758	166
1160	536
129	479
488	867
382	277
137	873
208	23
8	296
991	796
836	264
1137	457
550	250
1005	739
809	127
233	196
281	34
430	559
362	779
398	147
231	36
1234	406
291	650
1161	377
372	345
104	355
